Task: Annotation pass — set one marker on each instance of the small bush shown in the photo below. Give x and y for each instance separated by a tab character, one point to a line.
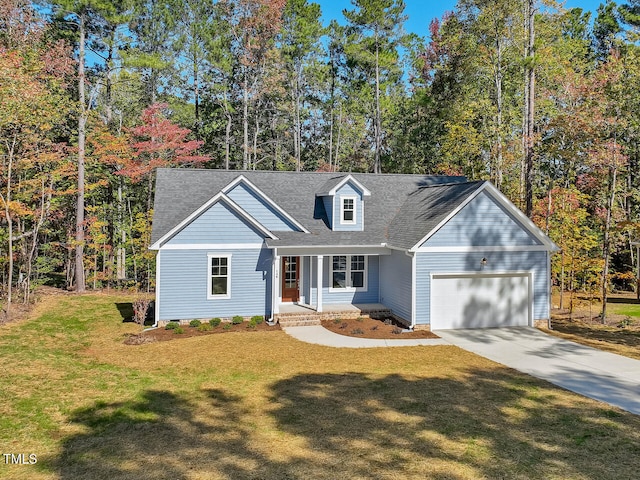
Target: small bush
337	320
360	319
237	320
375	327
396	330
140	309
357	331
252	325
257	319
195	323
344	325
227	326
205	327
214	322
171	326
178	330
388	321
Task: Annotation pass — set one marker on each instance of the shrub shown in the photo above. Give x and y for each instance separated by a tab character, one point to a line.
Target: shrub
140	309
388	321
396	330
252	324
237	320
375	327
195	323
205	327
257	319
337	320
344	325
357	331
360	319
214	322
227	326
178	330
171	326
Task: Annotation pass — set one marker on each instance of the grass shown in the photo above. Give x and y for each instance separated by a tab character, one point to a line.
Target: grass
263	405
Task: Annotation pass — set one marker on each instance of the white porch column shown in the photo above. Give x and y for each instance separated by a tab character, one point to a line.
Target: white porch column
319	284
275	283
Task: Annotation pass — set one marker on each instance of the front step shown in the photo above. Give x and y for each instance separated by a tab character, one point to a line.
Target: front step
305	319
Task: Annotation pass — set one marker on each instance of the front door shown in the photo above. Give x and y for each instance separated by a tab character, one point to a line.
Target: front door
290	279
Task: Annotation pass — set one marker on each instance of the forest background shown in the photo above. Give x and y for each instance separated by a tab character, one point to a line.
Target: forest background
95	94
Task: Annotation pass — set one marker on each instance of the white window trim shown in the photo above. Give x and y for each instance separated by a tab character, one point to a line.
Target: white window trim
355	209
349	288
210	296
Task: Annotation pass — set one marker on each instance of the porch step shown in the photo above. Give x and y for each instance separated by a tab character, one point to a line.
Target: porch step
304	319
298	321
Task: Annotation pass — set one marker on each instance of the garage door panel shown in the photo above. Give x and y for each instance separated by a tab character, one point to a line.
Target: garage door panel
479	301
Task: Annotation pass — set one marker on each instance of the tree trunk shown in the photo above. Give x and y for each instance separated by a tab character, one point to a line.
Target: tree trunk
613	172
6	199
82	120
530	100
245	124
378	121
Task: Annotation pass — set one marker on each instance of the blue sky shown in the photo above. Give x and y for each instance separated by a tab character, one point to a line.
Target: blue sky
421	12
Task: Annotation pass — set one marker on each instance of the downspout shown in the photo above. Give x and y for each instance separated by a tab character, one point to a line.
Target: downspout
156	316
412	255
274	280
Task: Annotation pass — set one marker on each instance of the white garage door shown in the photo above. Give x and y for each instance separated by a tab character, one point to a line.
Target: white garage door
479	301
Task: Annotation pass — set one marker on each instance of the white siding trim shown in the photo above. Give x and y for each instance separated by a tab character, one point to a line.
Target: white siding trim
414	275
279	209
475	248
209	246
226	296
157	288
307	250
275	281
355	209
319	284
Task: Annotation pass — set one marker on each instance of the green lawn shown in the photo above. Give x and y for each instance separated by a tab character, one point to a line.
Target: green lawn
262	405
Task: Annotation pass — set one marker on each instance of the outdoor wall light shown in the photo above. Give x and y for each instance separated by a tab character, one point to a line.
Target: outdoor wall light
483	262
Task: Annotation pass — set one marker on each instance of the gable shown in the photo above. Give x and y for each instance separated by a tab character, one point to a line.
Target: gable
217	224
482	222
259	209
348	190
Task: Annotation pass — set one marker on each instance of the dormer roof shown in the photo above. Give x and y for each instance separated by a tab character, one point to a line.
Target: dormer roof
332	185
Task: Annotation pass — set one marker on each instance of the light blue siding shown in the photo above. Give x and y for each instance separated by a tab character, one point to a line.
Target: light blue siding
482	222
395	283
347	190
259	209
182	293
534	261
341	297
218	224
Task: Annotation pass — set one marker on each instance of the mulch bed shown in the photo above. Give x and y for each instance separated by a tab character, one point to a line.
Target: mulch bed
162	335
365	327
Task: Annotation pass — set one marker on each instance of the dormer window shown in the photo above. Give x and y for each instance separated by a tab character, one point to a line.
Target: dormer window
348	211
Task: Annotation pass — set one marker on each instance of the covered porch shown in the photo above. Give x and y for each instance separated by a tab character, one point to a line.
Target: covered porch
311	284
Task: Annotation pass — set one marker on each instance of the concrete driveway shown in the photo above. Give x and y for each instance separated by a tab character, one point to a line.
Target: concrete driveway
590	372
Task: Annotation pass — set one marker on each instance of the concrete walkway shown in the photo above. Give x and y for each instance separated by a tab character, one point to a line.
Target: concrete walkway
588	371
321	336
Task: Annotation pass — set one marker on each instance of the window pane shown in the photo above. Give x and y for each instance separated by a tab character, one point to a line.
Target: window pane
340	263
357	279
339	280
348	215
357	262
219	286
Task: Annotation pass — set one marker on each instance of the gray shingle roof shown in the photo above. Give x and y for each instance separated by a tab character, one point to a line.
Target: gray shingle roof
401	209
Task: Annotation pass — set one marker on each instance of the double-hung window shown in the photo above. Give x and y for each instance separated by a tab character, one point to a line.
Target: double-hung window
349	272
348	210
219	278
